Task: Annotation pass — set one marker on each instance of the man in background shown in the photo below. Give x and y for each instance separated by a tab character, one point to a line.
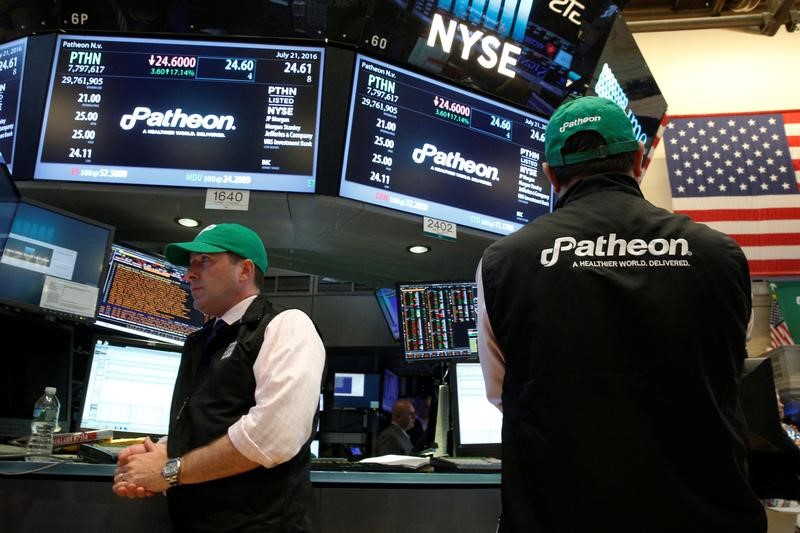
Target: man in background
394	440
612	335
237	454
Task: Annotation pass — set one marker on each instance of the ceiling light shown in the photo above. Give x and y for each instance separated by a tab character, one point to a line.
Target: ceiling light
418	249
188	222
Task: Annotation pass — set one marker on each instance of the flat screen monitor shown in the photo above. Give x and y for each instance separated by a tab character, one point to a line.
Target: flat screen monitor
759	399
391	390
355	390
143	294
477	424
53	262
518	50
12	63
437	320
424	147
9	200
182	113
387	302
622	76
129	388
772	456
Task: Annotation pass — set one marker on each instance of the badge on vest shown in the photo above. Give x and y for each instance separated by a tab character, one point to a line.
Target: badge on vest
228	351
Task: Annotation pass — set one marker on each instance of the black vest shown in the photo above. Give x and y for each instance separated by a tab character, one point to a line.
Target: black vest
213	390
623	331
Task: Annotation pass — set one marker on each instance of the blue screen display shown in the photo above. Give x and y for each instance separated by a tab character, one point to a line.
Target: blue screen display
53	262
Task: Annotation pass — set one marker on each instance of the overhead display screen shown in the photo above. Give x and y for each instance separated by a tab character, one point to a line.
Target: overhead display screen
182	113
622	76
12	61
518	50
424	147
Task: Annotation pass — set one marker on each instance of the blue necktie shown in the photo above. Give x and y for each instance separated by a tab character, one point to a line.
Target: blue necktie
218	326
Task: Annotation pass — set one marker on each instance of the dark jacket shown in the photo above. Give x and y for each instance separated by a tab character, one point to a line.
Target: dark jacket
212	391
623	330
393	441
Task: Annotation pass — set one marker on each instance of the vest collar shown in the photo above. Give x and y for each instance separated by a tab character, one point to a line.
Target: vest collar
600	183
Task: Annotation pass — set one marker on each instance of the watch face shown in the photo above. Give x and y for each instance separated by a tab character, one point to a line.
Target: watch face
171	468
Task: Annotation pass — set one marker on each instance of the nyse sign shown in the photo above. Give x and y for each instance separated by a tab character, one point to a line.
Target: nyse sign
489	45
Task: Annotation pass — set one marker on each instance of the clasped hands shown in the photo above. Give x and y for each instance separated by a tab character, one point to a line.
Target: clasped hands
138	472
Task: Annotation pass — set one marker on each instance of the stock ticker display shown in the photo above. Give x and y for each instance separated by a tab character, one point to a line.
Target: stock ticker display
428	148
437	320
12	62
145	295
182	113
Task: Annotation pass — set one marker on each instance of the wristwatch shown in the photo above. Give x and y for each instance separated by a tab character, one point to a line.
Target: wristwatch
171	470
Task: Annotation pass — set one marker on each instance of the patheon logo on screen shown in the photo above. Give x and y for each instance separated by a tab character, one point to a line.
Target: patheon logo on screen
176	118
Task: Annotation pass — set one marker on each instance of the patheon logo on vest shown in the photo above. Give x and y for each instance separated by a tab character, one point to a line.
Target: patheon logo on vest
610	246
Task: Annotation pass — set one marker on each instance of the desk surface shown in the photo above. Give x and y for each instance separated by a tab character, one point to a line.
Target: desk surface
77	471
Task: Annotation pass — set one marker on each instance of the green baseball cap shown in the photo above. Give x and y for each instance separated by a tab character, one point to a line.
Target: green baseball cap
589	113
218	238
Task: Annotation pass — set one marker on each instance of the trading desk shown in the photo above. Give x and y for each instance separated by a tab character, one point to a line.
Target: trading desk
77	497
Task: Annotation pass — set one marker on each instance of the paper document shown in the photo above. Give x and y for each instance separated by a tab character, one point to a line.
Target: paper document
398	460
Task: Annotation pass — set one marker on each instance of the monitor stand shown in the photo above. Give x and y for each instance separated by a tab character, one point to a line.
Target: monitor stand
442	421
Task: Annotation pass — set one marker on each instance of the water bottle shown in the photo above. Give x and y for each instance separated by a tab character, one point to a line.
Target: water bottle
44	424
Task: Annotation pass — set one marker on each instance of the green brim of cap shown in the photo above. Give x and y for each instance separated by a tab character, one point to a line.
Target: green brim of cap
179	253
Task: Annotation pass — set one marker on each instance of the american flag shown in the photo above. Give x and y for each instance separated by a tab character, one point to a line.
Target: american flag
740	174
779	334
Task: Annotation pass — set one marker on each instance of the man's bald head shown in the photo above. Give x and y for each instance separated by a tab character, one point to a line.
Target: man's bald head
403	414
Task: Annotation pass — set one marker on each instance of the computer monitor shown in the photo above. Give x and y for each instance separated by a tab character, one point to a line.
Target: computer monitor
9	200
184	113
53	262
477	424
387	303
437	320
129	387
391	390
773	459
355	390
12	66
143	294
759	400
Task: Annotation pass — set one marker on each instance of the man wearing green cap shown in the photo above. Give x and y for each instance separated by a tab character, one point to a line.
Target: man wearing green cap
237	454
612	335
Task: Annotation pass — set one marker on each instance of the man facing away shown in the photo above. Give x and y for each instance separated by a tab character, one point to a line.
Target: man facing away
612	335
237	454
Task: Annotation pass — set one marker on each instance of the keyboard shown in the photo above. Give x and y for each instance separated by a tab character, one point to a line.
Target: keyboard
338	465
466	464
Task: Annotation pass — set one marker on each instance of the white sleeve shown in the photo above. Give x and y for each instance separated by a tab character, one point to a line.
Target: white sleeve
493	361
288	373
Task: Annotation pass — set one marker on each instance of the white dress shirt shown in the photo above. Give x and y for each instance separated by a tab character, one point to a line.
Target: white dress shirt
288	373
493	362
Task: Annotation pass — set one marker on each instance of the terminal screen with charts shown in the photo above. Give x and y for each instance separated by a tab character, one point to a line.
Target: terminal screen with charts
437	320
182	113
428	148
